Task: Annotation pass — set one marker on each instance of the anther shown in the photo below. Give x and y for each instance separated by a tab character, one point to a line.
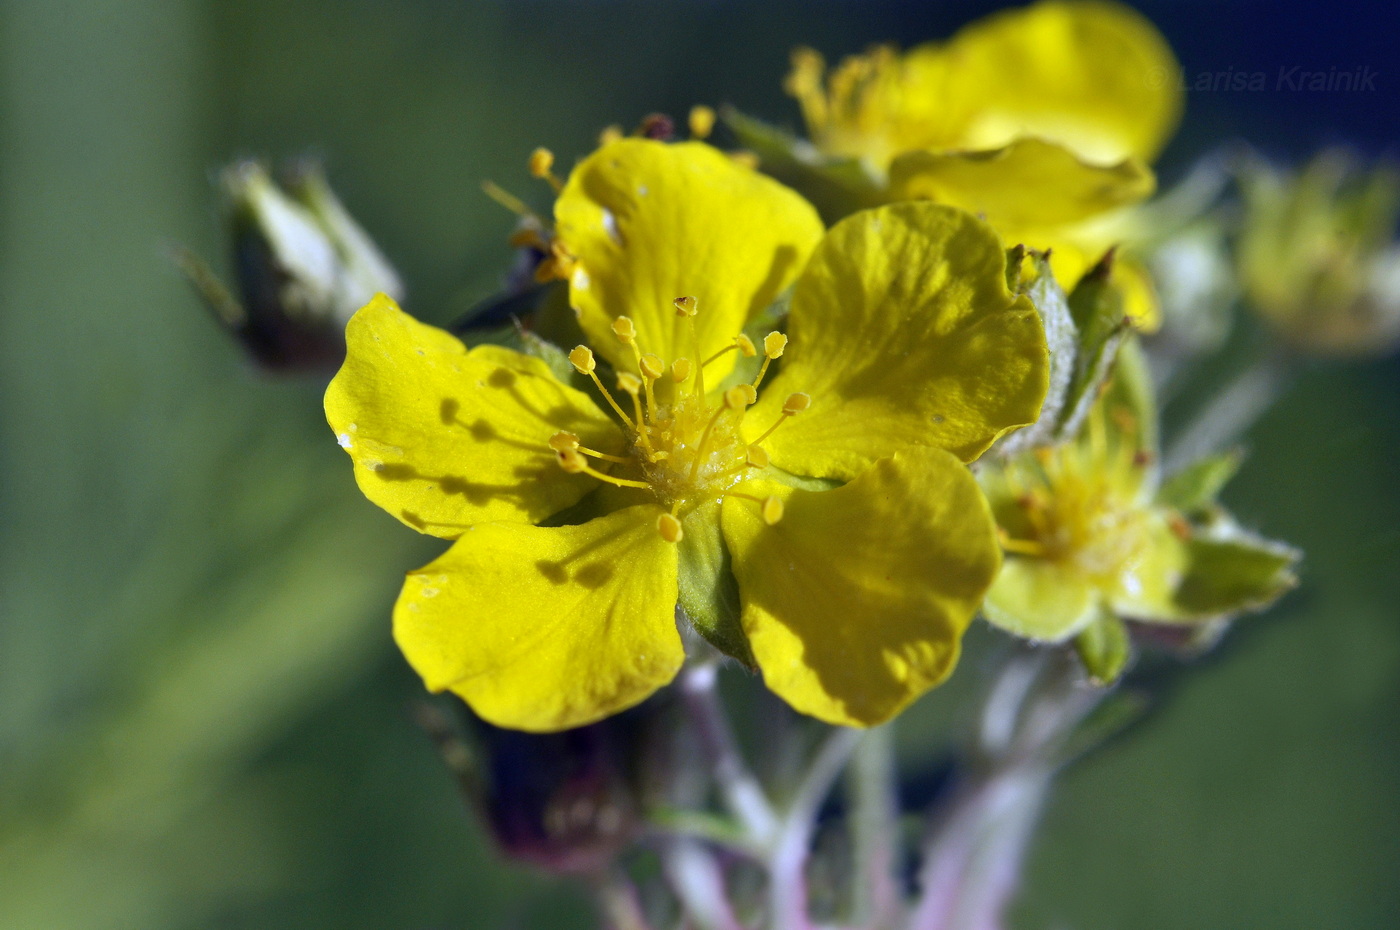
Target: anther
572	461
629	383
746	346
680	370
624	329
670	528
756	457
750	393
736	398
541	165
772	510
773	346
652	367
582	359
702	122
563	441
685	306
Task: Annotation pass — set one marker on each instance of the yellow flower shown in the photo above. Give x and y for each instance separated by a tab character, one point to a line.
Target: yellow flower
1040	119
1093	537
860	545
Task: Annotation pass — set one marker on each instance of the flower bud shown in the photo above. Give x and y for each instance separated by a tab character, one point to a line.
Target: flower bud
1317	258
302	265
562	801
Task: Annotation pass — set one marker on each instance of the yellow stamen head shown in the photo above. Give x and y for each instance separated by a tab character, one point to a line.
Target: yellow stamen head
629	383
670	528
773	345
582	359
750	393
625	330
563	441
541	162
736	398
652	367
609	135
746	346
685	306
796	403
772	510
702	121
756	457
680	370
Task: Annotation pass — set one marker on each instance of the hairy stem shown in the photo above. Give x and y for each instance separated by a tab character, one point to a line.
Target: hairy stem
742	793
788	864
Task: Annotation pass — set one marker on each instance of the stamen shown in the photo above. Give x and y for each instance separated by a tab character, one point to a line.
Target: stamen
609	135
631	385
702	122
625	330
734	399
573	462
670	528
687	308
541	165
756	457
772	510
564	441
583	361
680	370
1020	546
774	345
508	200
795	404
651	368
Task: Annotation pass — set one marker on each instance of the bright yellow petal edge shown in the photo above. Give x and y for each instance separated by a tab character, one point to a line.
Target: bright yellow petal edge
647	222
856	601
442	437
547	628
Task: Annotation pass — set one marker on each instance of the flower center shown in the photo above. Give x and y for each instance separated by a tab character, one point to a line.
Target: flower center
688	449
1081	504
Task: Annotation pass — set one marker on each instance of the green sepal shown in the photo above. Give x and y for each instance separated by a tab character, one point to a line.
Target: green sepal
1104	647
1061	338
1096	307
836	186
1196	486
1130	392
1232	573
708	591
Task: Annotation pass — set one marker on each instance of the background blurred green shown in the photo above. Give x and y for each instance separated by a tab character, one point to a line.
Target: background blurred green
202	718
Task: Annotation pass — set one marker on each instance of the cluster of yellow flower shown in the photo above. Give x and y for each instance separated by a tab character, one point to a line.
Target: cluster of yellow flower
797	480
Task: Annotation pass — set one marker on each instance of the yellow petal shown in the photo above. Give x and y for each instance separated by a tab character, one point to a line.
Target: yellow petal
856	600
1024	189
443	438
1095	76
1040	599
546	628
904	334
1146	587
649	222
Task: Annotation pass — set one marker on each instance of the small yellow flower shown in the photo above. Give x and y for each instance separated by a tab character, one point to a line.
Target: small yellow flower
828	474
1041	119
1093	538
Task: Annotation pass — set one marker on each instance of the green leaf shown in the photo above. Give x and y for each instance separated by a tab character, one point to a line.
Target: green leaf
1234	573
708	591
1104	647
836	186
1196	486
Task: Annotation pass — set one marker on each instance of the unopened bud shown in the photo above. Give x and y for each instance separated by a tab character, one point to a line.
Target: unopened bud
304	266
